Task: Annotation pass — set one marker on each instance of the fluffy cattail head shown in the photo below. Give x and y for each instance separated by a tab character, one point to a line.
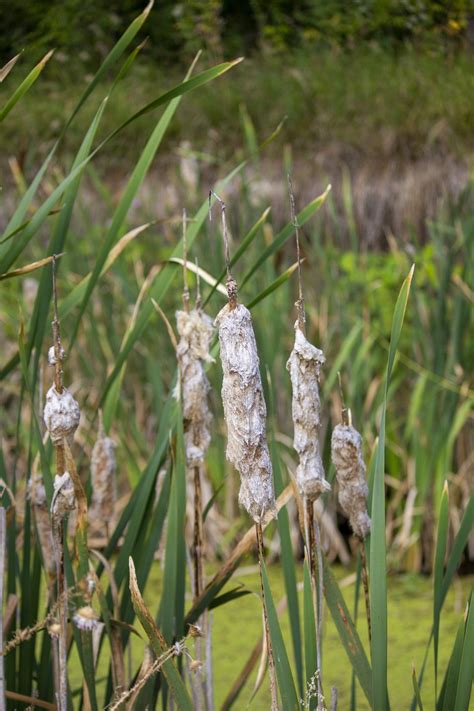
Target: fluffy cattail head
196	331
304	365
346	452
103	478
61	414
245	410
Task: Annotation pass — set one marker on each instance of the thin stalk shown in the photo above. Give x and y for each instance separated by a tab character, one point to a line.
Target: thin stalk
58	527
300	303
3	545
365	582
310	539
271	661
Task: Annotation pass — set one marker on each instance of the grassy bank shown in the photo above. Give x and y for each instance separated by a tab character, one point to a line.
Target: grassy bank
378	103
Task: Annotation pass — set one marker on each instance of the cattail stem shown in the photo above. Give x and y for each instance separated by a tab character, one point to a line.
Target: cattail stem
365	583
58	536
313	549
58	525
294	220
59	540
319	626
198	535
271	661
185	264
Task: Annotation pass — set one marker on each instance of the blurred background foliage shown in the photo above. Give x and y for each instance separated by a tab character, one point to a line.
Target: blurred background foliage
86	29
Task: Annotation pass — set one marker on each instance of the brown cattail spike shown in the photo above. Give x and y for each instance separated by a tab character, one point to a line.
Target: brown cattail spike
231	284
185	264
294	220
345	412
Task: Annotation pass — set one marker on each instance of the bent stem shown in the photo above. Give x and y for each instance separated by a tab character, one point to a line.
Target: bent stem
271	661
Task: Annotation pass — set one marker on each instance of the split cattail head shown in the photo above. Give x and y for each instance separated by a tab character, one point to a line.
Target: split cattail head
103	478
64	499
245	410
304	365
346	453
61	414
196	331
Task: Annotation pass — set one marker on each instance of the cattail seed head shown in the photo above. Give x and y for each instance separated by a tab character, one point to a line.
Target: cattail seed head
85	618
304	365
346	453
39	504
103	478
61	414
64	499
196	331
245	410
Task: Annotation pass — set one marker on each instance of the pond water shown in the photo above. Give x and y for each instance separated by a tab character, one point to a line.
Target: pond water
237	625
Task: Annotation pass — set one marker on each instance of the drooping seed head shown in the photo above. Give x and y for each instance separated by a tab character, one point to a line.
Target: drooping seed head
61	414
304	365
245	410
346	453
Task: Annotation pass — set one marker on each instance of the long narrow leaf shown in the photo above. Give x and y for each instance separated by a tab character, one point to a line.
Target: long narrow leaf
378	571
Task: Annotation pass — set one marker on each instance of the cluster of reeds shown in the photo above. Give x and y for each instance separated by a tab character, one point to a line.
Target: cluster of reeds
69	602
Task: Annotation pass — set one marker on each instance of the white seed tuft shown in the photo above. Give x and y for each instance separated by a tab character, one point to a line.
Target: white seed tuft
196	331
304	365
245	411
346	453
52	355
61	414
85	618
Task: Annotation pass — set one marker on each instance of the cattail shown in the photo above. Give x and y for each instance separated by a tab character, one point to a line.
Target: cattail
61	414
245	414
304	365
37	496
103	478
346	453
244	410
196	330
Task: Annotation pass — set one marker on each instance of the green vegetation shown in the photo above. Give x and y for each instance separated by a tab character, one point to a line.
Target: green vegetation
400	340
